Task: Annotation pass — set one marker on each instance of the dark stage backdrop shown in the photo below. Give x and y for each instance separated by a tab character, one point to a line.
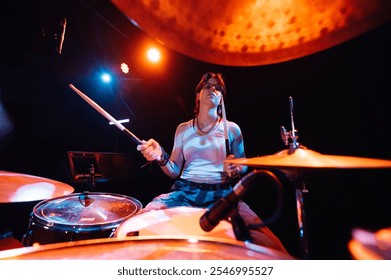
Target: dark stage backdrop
341	100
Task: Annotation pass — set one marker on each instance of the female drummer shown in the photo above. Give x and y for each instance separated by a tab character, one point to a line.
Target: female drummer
197	161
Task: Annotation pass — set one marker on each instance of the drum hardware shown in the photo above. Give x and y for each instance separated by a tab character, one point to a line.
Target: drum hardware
299	185
239	228
91	181
92	177
85	199
296	161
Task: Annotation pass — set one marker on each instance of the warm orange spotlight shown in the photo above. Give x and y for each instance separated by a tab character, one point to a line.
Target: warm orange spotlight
153	55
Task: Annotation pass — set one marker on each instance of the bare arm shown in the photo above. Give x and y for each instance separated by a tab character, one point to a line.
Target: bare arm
152	150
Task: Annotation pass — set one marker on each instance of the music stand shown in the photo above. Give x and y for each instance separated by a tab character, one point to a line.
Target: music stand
107	167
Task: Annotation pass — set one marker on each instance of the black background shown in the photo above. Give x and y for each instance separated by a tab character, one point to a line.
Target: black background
341	100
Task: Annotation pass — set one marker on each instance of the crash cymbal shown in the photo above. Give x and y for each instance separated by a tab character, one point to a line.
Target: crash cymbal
305	158
16	187
247	32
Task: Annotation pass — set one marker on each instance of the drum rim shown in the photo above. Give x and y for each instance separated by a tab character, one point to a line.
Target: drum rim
38	248
76	226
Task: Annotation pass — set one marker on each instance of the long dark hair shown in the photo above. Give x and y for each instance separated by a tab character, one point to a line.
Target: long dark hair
204	79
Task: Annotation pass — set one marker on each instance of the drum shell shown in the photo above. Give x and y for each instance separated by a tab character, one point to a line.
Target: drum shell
46	234
65	219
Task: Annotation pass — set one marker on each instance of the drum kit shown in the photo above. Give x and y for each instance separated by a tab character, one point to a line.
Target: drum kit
97	225
94	225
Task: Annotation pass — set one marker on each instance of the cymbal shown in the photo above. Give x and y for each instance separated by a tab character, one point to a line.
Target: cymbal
370	245
16	187
248	33
305	158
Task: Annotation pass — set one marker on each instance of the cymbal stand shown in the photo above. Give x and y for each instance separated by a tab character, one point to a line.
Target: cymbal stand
300	190
299	184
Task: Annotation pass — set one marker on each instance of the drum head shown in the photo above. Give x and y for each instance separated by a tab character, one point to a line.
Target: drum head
147	248
179	221
86	210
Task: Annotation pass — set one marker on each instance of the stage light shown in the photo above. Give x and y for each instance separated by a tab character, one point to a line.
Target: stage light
124	68
106	77
153	55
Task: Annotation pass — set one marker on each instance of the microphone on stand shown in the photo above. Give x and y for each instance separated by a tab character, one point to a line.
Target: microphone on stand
226	205
92	177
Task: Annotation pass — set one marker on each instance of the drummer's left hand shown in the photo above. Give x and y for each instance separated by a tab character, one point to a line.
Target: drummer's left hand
231	169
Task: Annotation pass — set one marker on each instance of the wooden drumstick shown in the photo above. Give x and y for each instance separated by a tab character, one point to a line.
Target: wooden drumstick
106	115
227	148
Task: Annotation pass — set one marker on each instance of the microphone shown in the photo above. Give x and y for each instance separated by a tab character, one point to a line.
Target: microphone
63	25
225	205
92	177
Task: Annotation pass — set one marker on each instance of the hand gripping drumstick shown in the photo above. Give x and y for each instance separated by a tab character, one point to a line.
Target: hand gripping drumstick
106	115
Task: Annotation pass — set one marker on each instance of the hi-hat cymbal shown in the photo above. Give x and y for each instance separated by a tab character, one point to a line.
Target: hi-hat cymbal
248	32
16	187
305	158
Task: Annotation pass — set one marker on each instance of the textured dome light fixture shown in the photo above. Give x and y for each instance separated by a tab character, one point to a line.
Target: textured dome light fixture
254	32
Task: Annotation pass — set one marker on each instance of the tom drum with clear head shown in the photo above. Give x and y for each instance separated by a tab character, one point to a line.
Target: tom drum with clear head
79	216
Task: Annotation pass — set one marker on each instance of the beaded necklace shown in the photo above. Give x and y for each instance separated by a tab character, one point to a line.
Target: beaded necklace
210	129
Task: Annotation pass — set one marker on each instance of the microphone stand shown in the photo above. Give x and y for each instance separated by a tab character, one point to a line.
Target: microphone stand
239	228
84	198
92	177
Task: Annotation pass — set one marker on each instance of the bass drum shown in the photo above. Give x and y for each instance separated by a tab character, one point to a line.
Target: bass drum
146	248
78	216
182	221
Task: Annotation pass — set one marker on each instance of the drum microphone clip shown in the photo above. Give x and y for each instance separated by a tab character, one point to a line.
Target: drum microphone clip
92	177
286	135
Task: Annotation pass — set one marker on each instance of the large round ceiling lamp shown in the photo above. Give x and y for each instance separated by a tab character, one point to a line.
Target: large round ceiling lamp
254	32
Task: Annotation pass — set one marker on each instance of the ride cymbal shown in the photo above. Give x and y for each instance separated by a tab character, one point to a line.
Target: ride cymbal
305	158
248	33
16	187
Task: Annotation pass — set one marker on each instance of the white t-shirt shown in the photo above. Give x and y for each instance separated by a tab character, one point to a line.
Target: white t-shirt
204	155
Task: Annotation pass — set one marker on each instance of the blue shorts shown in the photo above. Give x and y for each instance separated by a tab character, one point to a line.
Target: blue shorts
187	193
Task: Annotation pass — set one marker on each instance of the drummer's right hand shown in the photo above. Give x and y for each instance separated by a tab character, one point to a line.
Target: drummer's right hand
150	149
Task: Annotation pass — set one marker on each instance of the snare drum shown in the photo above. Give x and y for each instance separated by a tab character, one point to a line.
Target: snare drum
177	221
78	216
